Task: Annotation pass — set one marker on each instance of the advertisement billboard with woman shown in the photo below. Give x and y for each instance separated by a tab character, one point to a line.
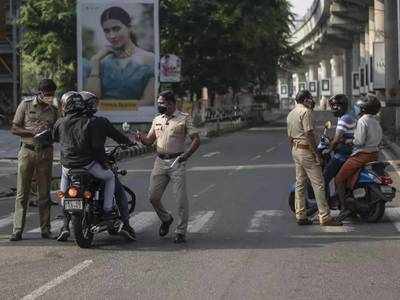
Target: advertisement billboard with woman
118	51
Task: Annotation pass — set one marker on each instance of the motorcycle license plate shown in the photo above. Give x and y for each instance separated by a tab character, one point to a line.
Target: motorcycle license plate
73	204
386	189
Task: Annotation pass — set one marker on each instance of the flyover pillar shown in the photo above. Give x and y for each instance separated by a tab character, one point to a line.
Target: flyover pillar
391	112
325	74
337	63
379	37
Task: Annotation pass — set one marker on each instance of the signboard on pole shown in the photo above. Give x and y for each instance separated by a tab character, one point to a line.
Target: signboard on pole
118	56
284	91
326	87
170	68
379	65
355	83
312	87
302	86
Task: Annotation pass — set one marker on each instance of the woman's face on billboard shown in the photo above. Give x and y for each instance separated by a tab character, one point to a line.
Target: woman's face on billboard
117	34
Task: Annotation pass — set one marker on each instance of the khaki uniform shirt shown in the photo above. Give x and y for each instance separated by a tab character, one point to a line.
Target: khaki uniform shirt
30	114
300	121
171	132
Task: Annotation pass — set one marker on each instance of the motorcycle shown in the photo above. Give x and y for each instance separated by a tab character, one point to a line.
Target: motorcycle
83	200
367	200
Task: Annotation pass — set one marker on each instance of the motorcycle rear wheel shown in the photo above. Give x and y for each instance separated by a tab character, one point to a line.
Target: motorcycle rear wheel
83	235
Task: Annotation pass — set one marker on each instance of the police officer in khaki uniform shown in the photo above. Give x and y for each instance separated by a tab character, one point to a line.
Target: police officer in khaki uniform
169	130
34	115
308	161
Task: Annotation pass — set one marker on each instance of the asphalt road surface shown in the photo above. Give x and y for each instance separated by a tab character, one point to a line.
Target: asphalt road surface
243	243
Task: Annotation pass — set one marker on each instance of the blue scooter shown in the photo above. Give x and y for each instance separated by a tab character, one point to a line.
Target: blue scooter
368	198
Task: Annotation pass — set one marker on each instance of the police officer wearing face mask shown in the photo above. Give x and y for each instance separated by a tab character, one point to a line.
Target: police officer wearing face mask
300	126
169	130
33	121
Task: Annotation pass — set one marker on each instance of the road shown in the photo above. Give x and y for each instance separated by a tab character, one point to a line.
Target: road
243	242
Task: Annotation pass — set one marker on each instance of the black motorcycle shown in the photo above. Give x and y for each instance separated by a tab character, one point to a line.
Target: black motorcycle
83	200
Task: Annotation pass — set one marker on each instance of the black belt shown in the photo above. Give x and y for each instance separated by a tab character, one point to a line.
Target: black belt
35	147
168	156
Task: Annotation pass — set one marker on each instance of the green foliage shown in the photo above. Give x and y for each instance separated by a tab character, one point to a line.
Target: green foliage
227	43
223	43
49	42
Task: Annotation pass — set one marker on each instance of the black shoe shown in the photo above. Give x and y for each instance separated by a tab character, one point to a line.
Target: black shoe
302	222
164	228
343	215
179	238
63	235
46	235
128	232
16	236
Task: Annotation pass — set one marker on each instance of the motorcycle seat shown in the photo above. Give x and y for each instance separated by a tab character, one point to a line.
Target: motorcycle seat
377	166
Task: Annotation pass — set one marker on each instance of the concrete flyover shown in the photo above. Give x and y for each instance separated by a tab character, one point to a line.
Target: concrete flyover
347	46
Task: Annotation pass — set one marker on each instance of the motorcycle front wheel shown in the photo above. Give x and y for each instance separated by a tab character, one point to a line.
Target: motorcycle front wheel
83	235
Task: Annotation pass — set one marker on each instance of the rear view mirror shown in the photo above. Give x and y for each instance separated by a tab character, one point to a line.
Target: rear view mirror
328	125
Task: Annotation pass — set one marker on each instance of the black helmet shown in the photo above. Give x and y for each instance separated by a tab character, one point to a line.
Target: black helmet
369	104
72	103
90	100
339	104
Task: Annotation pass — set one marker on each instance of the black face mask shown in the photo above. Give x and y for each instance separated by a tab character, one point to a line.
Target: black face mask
162	109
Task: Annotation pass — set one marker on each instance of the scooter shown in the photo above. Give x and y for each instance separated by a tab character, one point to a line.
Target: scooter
367	199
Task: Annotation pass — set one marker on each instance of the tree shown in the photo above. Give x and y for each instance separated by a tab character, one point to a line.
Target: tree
49	41
227	43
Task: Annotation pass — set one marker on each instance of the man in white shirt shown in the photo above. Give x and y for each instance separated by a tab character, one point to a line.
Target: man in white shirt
367	138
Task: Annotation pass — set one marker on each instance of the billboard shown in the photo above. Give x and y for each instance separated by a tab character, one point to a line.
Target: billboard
118	56
170	68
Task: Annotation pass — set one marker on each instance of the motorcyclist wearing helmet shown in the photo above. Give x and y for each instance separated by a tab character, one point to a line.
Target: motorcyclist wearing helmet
344	135
103	129
78	148
367	138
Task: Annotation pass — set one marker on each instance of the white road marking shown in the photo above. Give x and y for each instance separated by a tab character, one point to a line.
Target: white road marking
256	157
393	214
210	187
8	220
142	220
208	155
55	226
270	149
261	219
56	281
198	222
225	168
244	167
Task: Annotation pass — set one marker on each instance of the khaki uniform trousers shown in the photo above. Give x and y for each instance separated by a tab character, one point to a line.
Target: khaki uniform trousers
30	162
161	175
306	166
